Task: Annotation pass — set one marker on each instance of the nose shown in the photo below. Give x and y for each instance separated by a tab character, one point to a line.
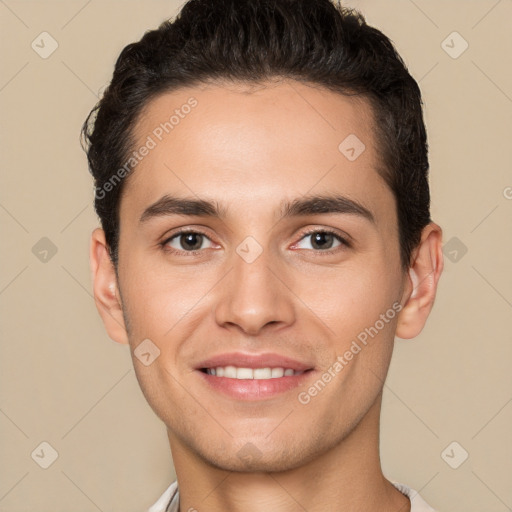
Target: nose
254	296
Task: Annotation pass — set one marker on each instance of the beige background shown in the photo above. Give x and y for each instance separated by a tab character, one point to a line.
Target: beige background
64	382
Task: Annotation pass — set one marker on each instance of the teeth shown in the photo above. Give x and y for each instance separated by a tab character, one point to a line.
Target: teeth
232	372
244	373
277	372
262	373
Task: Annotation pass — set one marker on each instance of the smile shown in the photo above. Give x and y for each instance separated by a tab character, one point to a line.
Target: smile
233	372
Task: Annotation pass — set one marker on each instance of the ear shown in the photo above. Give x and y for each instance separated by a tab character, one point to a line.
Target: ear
106	293
420	290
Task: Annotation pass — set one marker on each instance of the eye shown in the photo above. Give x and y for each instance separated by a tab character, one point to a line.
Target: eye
192	242
186	241
322	240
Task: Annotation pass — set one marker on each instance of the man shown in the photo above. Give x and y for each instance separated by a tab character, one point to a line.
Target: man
261	180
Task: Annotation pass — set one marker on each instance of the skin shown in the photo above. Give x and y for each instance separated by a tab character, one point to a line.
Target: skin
249	150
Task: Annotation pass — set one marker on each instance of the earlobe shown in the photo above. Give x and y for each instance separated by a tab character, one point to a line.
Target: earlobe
105	288
420	291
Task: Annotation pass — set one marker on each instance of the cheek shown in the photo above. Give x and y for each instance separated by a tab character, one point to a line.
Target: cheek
350	297
161	300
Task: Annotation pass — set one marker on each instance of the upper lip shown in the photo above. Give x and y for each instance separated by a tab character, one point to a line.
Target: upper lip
241	360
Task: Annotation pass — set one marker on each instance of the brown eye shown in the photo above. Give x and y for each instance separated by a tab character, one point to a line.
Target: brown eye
322	240
186	241
191	241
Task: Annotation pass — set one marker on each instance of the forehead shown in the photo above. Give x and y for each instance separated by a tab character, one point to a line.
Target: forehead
245	146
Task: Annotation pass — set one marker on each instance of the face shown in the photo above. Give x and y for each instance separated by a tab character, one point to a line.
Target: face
252	275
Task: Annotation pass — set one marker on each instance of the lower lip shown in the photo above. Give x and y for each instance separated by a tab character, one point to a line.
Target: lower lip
254	389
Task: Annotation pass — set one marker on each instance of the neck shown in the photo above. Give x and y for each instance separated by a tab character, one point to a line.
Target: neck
346	478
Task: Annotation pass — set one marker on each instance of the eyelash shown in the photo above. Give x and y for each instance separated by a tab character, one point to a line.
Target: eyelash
342	240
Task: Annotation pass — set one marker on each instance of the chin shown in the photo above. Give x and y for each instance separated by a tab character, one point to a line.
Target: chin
251	459
272	465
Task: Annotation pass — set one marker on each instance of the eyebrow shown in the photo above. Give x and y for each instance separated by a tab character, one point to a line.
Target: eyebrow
308	205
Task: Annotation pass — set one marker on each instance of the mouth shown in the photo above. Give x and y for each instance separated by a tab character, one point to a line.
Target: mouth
253	377
232	372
